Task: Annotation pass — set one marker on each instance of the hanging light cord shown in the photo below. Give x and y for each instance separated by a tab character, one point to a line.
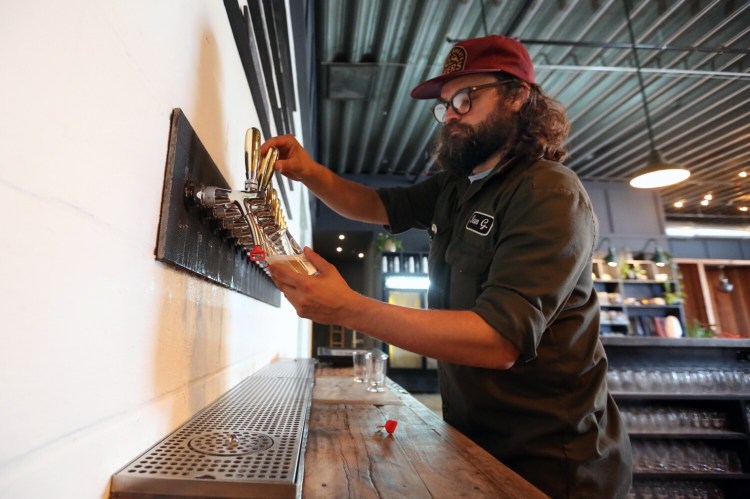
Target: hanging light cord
640	77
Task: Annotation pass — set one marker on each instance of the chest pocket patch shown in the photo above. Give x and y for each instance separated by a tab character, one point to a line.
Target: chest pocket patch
480	223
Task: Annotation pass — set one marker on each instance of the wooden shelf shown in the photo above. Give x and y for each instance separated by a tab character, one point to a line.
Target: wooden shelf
723	475
658	307
415	274
651	341
679	396
623	297
646	281
717	435
659	353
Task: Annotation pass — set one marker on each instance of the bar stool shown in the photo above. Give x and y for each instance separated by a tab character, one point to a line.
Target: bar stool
336	336
356	340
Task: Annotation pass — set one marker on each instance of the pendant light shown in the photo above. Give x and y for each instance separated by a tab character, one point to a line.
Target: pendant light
611	258
660	258
657	172
724	285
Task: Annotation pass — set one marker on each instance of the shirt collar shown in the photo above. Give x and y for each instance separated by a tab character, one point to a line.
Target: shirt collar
501	165
480	175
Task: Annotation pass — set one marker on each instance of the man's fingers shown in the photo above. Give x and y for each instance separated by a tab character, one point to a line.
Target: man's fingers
284	143
279	166
282	275
318	261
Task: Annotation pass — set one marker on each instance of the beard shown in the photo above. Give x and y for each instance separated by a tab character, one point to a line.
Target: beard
462	147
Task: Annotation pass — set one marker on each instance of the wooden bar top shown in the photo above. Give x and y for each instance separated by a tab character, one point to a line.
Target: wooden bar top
348	456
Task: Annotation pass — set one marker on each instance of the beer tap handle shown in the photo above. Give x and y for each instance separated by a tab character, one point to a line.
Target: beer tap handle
262	170
258	253
252	158
265	179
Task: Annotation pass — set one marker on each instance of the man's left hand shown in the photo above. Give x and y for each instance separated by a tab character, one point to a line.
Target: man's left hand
323	298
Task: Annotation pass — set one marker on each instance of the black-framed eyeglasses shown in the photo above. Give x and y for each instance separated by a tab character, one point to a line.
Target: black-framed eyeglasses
461	100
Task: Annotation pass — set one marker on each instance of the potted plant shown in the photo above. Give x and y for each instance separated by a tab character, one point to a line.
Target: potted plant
698	330
672	296
387	243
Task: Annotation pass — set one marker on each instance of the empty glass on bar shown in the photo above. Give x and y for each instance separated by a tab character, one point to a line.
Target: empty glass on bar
377	363
359	365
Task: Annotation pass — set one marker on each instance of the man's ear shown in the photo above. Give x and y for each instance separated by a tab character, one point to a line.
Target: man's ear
521	96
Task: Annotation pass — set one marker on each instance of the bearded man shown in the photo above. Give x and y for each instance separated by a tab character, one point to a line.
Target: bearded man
513	318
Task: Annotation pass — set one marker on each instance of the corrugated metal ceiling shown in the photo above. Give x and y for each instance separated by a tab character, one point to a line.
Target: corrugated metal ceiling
696	67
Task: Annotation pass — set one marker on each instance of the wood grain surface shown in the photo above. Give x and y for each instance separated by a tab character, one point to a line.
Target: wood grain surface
348	456
344	390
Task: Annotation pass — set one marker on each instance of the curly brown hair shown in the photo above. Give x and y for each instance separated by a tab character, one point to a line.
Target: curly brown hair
542	125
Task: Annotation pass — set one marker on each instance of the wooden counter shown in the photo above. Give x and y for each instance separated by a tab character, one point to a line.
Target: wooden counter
347	456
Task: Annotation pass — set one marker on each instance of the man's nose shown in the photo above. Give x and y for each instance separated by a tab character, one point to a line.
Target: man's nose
451	115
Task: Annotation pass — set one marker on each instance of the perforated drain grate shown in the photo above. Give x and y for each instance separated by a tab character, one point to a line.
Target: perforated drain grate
249	443
230	444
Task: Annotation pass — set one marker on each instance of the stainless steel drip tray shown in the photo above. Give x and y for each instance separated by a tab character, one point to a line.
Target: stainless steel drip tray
247	444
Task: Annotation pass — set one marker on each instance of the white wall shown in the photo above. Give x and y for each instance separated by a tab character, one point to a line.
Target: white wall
104	350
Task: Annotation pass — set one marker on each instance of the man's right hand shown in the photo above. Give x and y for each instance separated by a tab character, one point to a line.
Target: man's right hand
293	162
348	199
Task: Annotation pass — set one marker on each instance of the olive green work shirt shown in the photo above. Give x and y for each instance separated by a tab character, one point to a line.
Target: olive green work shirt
515	247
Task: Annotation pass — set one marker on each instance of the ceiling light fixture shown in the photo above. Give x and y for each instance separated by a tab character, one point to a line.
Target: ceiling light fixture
339	249
709	197
361	255
679	204
743	174
342	236
742	208
704	202
657	172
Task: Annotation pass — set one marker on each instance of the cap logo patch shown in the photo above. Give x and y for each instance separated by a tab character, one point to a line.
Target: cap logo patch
455	61
481	223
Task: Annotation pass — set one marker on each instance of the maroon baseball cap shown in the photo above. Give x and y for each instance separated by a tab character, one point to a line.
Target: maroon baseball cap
489	54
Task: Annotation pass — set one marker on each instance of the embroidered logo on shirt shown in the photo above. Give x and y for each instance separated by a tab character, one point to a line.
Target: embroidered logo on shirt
481	223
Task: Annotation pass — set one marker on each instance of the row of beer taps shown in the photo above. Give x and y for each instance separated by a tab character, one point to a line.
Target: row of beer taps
253	217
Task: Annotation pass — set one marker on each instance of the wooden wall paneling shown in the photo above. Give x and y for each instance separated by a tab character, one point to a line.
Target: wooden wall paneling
706	295
740	277
694	305
731	309
719	303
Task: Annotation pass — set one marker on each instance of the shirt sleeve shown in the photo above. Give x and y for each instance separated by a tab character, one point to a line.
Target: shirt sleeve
545	243
413	206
